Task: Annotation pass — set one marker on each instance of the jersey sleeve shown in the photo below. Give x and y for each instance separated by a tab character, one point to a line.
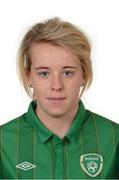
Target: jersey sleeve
1	171
118	160
117	156
1	174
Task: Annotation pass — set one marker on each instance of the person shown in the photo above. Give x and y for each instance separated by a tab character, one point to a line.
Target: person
57	138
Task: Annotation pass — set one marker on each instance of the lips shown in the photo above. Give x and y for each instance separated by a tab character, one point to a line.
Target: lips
56	99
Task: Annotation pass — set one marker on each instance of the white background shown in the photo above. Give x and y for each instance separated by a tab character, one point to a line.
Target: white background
98	18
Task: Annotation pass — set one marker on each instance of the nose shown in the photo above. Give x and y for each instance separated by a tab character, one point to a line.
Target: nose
57	83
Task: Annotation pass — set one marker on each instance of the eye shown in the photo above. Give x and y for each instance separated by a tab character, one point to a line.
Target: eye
43	74
68	73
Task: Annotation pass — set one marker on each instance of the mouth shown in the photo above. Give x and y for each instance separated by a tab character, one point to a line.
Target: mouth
56	99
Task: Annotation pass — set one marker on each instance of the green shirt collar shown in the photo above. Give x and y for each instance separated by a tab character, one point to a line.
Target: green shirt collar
77	123
43	133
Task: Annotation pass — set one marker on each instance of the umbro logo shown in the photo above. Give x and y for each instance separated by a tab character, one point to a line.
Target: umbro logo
25	166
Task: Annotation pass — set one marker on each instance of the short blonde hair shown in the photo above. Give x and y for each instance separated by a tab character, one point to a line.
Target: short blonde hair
58	32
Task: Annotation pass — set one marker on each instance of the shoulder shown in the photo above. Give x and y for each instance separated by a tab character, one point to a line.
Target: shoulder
104	125
13	124
20	120
101	120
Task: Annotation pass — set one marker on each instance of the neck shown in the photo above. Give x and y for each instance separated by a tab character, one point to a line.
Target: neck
57	125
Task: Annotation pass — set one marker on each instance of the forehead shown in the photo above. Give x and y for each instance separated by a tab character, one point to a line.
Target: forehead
50	54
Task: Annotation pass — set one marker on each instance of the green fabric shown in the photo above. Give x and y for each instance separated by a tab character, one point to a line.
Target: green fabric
89	150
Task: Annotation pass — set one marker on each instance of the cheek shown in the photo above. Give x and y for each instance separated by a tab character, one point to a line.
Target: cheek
36	82
39	88
74	89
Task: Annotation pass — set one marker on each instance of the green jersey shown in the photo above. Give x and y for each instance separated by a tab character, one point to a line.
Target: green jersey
89	150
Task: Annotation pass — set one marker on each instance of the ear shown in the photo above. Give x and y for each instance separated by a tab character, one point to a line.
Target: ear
28	79
82	84
83	79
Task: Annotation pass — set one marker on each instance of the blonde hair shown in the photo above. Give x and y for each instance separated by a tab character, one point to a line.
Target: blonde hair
58	32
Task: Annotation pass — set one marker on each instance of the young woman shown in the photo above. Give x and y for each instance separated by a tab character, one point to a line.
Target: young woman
57	138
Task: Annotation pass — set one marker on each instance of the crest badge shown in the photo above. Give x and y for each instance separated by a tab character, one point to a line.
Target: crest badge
91	163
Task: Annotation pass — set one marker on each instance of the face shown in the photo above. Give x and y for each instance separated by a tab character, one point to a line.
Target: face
56	77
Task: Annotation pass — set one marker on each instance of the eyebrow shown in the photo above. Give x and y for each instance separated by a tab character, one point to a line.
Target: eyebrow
65	67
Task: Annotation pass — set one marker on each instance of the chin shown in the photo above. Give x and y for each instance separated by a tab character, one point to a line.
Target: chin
57	113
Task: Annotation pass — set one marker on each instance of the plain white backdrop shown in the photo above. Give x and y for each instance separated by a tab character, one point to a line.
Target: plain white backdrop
99	19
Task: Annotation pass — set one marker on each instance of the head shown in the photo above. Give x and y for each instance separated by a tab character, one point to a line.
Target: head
56	45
